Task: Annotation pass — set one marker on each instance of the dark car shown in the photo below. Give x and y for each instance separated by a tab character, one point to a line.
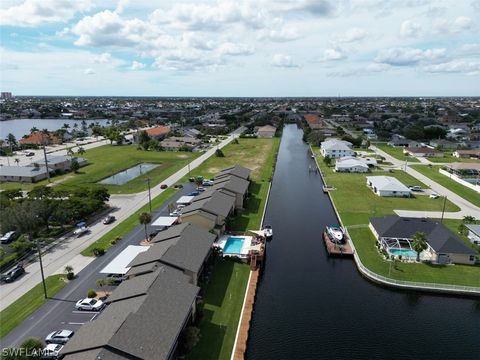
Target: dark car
194	193
163	186
109	219
29	154
14	274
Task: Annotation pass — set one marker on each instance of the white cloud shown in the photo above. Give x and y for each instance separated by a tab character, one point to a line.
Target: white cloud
351	35
469	49
136	65
284	34
410	29
103	58
410	56
186	60
459	24
88	71
369	69
333	54
235	49
283	61
455	66
36	12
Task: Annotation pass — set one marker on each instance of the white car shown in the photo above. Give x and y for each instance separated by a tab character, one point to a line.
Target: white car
89	304
80	231
9	236
434	196
51	351
59	337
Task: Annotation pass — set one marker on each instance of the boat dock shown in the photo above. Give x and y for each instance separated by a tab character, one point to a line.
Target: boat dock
336	249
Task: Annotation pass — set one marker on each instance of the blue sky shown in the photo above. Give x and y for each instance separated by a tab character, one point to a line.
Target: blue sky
240	48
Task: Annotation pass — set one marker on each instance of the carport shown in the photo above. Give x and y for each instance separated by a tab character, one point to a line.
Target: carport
119	265
165	221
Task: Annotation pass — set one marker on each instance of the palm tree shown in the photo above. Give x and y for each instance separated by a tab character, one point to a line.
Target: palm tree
33	129
66	126
81	151
70	153
17	161
145	219
419	243
469	219
12	141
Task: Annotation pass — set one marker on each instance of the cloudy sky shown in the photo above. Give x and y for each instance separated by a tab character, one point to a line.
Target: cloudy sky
240	48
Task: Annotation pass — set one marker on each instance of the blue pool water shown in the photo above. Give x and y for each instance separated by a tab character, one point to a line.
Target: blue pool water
129	174
233	245
403	252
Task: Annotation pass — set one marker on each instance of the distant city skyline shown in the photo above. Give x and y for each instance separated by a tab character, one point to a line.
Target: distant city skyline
261	48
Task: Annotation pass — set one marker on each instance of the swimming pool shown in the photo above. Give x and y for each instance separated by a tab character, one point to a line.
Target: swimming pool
403	252
233	245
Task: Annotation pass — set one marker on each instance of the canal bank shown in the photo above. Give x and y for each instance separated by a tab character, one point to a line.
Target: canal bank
311	306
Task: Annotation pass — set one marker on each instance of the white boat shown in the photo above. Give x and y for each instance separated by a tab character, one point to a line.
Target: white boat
335	233
268	231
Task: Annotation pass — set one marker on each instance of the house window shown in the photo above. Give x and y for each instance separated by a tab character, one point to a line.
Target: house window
472	258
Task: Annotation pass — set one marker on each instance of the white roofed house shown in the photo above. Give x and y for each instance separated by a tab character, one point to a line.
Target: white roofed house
29	174
351	164
336	148
387	186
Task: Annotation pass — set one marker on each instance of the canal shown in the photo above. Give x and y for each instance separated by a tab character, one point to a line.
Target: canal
310	306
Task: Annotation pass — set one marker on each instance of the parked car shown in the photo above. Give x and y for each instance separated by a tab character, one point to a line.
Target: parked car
163	186
51	351
176	212
201	189
14	274
9	236
193	193
116	278
109	219
415	188
80	231
207	183
89	304
59	337
434	196
156	231
29	154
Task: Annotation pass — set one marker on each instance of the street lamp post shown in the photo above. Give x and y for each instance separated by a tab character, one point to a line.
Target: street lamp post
41	269
149	195
443	210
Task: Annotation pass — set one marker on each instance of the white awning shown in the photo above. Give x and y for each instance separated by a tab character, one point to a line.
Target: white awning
165	221
185	200
119	264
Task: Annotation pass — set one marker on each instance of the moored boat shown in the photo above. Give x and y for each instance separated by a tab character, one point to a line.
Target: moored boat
336	234
268	231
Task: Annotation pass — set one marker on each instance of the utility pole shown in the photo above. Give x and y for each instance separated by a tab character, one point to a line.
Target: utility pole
443	210
41	269
46	162
149	195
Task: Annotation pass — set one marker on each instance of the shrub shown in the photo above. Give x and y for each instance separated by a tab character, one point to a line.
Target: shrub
98	251
219	153
91	293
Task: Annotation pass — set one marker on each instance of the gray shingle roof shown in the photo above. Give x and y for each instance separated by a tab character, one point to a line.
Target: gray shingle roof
237	170
135	286
439	237
24	171
155	252
232	183
170	233
144	327
219	203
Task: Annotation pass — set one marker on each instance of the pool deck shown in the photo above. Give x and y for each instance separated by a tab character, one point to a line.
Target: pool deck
242	337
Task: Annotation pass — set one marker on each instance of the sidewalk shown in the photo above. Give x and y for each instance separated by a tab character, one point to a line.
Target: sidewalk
68	252
466	207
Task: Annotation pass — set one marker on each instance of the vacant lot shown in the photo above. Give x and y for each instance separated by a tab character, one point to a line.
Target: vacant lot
449	158
462	191
396	152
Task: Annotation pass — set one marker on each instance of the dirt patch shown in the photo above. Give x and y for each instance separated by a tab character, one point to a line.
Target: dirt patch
213	170
182	156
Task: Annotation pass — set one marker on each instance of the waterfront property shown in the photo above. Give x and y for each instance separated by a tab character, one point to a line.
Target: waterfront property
395	233
351	164
235	185
143	320
335	148
387	186
235	245
267	131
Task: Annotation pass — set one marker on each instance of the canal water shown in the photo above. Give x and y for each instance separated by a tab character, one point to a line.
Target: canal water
310	306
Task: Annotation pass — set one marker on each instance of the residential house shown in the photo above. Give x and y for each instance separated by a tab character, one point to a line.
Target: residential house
28	174
423	152
156	133
235	185
186	247
387	186
314	121
467	154
266	131
350	164
41	138
401	141
335	148
474	233
63	163
236	170
393	231
143	320
210	210
443	144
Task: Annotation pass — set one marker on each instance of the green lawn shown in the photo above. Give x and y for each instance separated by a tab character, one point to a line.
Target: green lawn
449	158
108	160
223	301
356	202
433	173
396	152
456	275
22	308
128	224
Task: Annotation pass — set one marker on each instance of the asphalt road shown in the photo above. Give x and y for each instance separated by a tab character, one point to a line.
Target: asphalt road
59	312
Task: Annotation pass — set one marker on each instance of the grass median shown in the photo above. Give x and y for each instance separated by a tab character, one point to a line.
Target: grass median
128	224
396	152
22	308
